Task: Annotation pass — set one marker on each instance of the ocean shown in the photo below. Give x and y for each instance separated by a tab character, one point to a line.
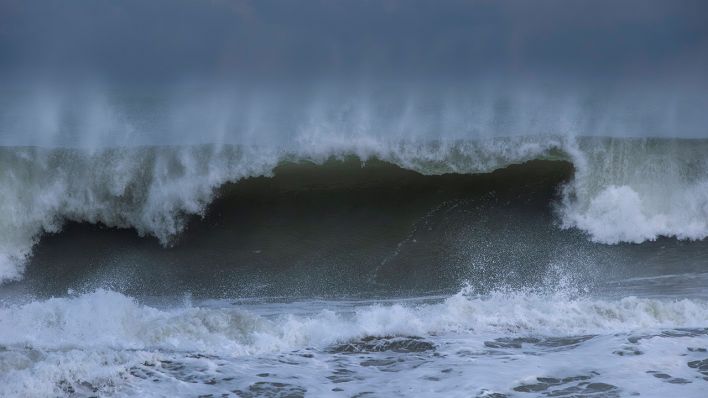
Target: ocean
527	266
370	198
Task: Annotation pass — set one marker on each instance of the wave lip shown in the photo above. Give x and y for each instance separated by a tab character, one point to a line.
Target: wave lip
619	214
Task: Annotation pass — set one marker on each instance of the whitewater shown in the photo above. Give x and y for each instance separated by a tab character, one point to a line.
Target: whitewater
104	343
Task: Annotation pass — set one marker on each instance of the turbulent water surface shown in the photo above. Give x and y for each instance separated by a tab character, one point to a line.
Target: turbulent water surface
473	268
363	198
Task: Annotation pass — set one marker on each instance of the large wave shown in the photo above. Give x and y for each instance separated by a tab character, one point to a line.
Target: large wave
624	190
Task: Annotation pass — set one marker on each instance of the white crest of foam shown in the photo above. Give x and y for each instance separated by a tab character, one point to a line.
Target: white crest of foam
619	214
106	319
99	337
635	190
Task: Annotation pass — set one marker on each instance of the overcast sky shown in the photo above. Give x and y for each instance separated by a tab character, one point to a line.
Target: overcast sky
173	39
598	67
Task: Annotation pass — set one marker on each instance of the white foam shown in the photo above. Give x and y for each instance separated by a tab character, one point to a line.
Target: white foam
111	320
97	337
637	190
618	214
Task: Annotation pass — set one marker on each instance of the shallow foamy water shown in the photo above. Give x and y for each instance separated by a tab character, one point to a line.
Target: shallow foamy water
509	344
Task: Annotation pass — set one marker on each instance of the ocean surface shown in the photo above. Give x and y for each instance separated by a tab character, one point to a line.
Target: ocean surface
354	198
506	267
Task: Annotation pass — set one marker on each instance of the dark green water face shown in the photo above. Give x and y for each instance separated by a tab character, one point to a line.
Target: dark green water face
341	229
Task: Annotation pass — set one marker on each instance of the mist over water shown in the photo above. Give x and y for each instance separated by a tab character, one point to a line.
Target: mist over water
306	198
93	74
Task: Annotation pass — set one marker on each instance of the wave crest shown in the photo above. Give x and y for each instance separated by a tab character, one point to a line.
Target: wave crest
624	190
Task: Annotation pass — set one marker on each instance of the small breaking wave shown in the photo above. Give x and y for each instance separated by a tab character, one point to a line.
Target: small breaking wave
107	319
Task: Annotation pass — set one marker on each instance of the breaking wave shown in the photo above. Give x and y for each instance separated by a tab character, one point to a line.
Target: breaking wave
105	342
623	189
107	319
